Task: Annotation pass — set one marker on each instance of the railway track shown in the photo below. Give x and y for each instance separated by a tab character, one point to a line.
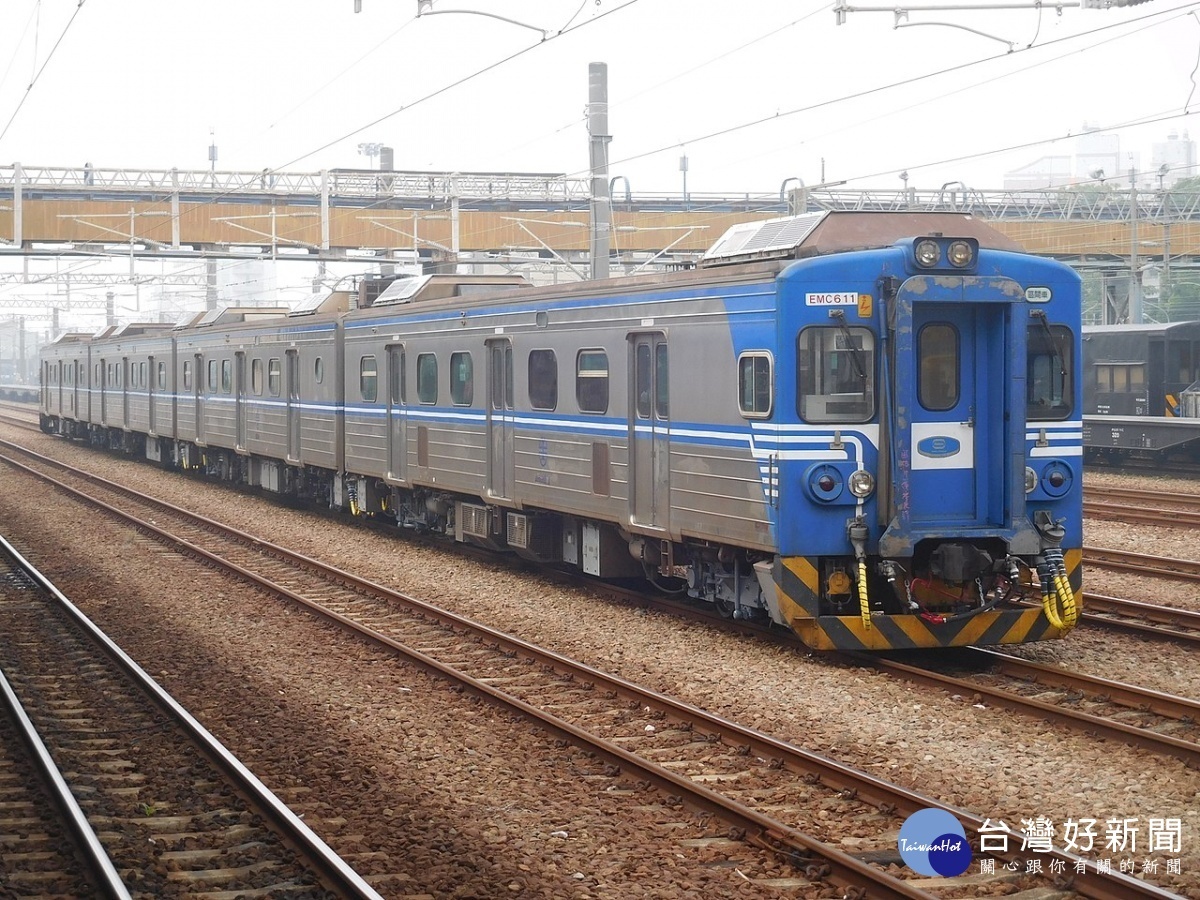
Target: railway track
16	419
52	848
1178	509
175	813
1141	564
1163	723
1144	619
764	789
1165	499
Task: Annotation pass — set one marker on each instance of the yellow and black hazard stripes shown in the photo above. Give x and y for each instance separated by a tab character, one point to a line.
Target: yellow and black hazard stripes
798	593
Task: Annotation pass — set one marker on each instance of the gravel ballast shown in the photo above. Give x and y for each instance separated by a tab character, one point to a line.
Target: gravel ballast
398	744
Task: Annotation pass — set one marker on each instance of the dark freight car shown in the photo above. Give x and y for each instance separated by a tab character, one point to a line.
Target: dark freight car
1136	381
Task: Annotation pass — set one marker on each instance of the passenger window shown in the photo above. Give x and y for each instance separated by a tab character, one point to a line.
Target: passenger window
543	379
256	376
398	385
642	378
662	394
368	379
1049	390
462	379
591	381
427	389
754	385
836	374
938	377
274	376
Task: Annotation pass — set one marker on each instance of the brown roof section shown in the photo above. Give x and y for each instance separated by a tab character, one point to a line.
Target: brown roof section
837	231
841	231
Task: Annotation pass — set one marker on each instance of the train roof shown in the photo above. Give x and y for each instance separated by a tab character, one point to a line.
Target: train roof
416	288
836	231
1179	330
236	314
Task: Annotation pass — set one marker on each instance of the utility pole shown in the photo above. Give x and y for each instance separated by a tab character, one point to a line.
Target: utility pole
683	167
1164	288
598	138
23	369
1135	284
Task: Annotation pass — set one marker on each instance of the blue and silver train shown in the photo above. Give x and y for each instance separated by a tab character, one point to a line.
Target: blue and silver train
864	427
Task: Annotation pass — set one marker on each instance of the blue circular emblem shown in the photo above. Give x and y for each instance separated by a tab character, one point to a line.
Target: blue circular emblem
933	842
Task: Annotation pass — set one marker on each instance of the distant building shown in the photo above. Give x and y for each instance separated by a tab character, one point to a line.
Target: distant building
250	282
1095	152
1047	172
1099	158
1174	159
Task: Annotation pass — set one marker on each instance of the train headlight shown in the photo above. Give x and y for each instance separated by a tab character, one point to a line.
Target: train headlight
1031	480
928	253
861	483
961	254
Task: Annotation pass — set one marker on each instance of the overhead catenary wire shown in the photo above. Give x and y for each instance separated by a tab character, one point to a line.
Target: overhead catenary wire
38	74
877	89
34	17
766	198
437	92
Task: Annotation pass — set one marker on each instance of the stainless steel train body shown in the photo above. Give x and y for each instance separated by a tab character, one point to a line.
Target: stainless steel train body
848	424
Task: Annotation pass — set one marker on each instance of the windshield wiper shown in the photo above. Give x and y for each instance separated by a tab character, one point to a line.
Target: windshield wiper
855	352
1059	357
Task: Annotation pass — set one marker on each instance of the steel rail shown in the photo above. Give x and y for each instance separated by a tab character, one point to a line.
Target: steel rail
1187	751
1119	512
98	860
338	873
1170	706
1107	494
1130	611
845	779
762	830
1140	563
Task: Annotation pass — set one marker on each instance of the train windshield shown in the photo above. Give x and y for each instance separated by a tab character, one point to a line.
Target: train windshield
836	374
1049	389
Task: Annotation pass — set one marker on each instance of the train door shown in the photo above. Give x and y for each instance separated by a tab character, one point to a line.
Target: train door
239	404
123	375
198	387
77	373
104	371
293	406
152	393
396	415
953	413
500	417
649	431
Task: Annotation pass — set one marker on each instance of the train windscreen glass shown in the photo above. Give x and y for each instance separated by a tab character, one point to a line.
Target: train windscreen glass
1049	389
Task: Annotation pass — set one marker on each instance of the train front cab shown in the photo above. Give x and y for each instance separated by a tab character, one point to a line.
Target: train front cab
64	399
972	534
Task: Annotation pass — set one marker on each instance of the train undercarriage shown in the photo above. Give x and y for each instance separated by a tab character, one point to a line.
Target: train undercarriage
948	593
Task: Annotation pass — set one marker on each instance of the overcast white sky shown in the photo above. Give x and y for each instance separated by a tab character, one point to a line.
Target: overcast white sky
299	84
